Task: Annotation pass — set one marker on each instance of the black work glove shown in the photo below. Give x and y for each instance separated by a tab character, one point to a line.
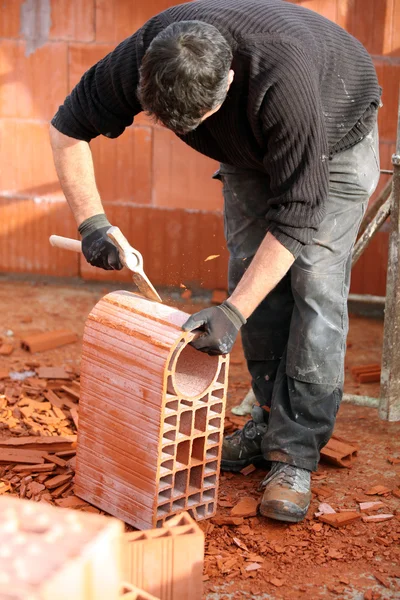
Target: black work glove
97	247
220	324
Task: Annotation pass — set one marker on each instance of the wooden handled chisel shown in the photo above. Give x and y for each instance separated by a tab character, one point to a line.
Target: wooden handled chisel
130	258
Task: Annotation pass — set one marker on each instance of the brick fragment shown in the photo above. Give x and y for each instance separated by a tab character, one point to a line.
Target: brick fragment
48	341
58	480
377	518
338	452
55	459
52	373
4	374
56	443
6	349
371	506
373	377
228	520
247	470
246	507
39	468
378	490
340	519
16	455
396	493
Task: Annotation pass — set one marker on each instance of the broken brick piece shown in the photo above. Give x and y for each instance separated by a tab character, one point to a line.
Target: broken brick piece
246	507
4	374
371	506
151	414
53	444
6	349
48	341
16	455
377	518
340	519
339	453
378	490
396	493
166	562
52	373
58	480
228	520
247	470
66	554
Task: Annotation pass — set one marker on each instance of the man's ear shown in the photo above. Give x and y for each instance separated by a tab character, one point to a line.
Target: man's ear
231	75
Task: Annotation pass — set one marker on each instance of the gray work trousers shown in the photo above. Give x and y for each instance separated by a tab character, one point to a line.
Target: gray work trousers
295	341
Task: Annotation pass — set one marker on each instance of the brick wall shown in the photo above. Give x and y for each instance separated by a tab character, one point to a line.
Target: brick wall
155	188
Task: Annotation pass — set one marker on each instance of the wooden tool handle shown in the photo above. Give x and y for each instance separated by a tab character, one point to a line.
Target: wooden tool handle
65	243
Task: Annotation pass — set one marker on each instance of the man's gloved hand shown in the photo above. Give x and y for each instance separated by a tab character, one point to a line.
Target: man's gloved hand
97	247
220	324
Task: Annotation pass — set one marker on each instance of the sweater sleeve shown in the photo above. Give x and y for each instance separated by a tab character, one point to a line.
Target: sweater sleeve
104	102
296	157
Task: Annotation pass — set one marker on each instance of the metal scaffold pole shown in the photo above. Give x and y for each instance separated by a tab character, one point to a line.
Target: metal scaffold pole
389	407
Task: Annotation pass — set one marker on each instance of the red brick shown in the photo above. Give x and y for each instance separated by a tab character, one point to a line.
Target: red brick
153	436
166	562
47	341
389	77
119	19
182	176
73	20
25	91
10	24
27	225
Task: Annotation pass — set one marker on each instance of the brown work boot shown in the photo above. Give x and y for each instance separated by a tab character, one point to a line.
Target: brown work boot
287	494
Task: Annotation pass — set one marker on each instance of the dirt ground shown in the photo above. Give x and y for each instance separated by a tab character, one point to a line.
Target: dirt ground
260	558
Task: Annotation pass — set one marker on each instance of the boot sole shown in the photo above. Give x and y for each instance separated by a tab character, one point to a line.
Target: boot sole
235	466
273	512
281	517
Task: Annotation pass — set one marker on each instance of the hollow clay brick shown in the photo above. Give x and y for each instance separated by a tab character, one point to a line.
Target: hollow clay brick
151	414
50	553
47	341
166	562
338	452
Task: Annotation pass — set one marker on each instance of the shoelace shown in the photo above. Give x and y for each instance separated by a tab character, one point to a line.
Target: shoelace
249	430
287	475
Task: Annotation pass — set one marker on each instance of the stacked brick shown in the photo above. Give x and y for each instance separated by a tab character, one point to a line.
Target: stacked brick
49	553
151	414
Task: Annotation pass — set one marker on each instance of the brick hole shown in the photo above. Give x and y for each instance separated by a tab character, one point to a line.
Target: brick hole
193	500
212	452
172	405
210	481
208	496
201	512
194	372
191	513
170	450
170	385
198	448
196	477
210	467
185	402
165	496
216	422
218	394
171	421
165	482
221	374
200	419
182	453
210	509
170	435
159	524
216	408
178	505
163	510
213	438
180	483
167	464
185	422
204	399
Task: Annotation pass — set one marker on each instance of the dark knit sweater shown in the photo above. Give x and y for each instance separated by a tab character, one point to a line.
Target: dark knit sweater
304	89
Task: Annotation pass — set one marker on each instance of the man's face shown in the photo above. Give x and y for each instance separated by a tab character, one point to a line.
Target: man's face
212	112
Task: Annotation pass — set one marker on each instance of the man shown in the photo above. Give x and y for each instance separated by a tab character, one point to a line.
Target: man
286	101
